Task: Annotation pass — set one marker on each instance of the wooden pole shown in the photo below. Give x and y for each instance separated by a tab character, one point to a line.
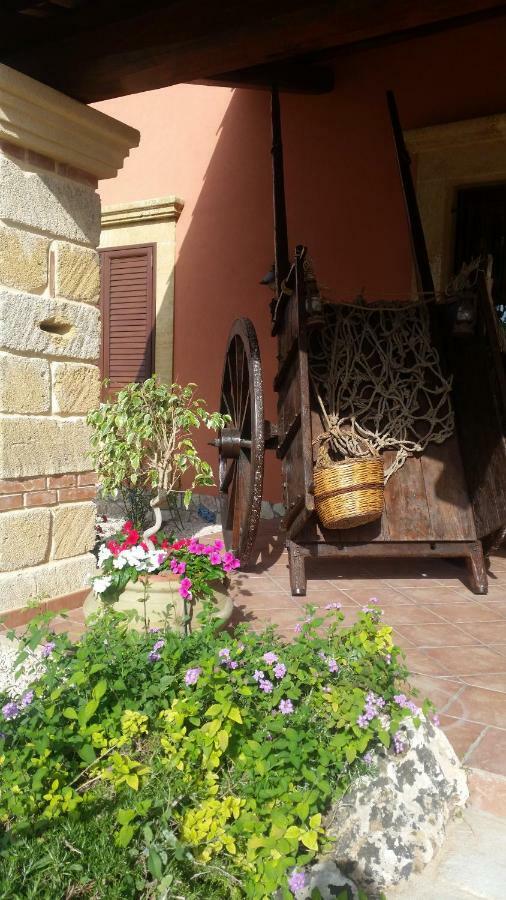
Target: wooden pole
281	258
419	248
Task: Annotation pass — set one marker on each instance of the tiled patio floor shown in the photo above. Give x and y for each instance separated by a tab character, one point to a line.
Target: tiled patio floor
455	642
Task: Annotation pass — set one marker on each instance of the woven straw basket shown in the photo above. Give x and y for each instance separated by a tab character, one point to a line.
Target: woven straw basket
349	493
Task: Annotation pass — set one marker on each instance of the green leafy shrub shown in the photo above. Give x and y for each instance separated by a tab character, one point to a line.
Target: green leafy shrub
142	441
151	765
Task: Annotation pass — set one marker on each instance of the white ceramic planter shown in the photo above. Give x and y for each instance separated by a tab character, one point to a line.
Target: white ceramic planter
164	603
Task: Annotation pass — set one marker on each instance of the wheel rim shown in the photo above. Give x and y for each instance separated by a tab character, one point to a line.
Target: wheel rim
241	444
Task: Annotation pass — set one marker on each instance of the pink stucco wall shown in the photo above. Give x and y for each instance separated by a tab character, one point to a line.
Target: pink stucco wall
211	147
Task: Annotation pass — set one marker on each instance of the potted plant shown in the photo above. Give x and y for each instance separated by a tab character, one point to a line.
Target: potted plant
143	440
165	582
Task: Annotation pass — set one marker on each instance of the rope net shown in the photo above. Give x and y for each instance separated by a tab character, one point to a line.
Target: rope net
378	382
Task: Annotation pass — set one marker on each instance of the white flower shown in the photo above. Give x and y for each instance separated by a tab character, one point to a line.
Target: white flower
134	556
103	554
101	584
120	562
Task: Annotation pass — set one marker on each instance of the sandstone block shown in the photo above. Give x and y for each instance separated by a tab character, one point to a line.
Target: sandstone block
76	272
76	388
47	202
24	384
48	580
24	538
73	530
23	259
44	325
38	445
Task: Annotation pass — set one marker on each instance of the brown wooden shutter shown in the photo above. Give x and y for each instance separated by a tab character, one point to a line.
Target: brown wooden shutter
128	320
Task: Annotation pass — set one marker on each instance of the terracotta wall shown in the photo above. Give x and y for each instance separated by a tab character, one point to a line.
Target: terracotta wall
211	146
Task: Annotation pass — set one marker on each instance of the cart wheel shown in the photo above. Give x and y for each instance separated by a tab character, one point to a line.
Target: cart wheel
241	444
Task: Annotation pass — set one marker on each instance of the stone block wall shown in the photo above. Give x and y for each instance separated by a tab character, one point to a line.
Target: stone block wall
53	150
49	375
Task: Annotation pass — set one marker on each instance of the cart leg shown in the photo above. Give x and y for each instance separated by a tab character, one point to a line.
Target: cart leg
476	568
298	581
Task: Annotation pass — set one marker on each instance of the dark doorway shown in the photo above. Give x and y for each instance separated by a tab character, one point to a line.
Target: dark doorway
481	229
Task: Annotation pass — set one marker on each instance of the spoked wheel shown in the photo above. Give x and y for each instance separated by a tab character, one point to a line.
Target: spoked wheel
241	443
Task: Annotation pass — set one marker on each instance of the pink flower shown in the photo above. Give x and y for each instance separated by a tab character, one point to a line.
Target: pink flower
215	558
297	627
219	545
286	707
184	588
270	658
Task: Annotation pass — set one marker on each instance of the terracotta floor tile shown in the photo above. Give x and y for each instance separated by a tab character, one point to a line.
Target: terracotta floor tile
268	600
401	640
488	791
479	705
411	615
252	585
439	690
386	595
490	752
441	634
419	662
497	608
464	612
435	593
499	648
467	660
488	632
489	682
460	733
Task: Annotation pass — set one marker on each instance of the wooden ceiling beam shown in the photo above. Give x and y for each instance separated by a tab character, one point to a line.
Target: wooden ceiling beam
290	77
153	44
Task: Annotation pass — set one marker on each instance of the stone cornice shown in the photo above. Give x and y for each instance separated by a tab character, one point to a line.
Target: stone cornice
455	134
166	209
39	118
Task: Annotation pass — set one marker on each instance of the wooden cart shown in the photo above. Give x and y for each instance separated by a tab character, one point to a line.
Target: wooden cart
442	503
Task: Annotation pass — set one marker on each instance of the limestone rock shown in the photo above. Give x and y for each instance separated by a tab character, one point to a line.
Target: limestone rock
48	202
76	388
41	445
23	259
24	384
24	538
76	272
73	529
330	882
391	824
43	325
51	579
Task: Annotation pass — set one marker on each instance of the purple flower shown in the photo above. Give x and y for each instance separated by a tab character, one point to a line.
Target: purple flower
232	664
286	707
332	664
179	568
297	627
280	670
154	630
297	881
404	703
333	606
158	645
154	656
362	721
10	710
368	758
224	653
435	720
373	600
270	658
192	676
26	699
399	745
258	675
48	648
266	686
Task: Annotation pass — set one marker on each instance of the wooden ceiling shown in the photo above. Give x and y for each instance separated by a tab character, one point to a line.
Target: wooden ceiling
97	49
